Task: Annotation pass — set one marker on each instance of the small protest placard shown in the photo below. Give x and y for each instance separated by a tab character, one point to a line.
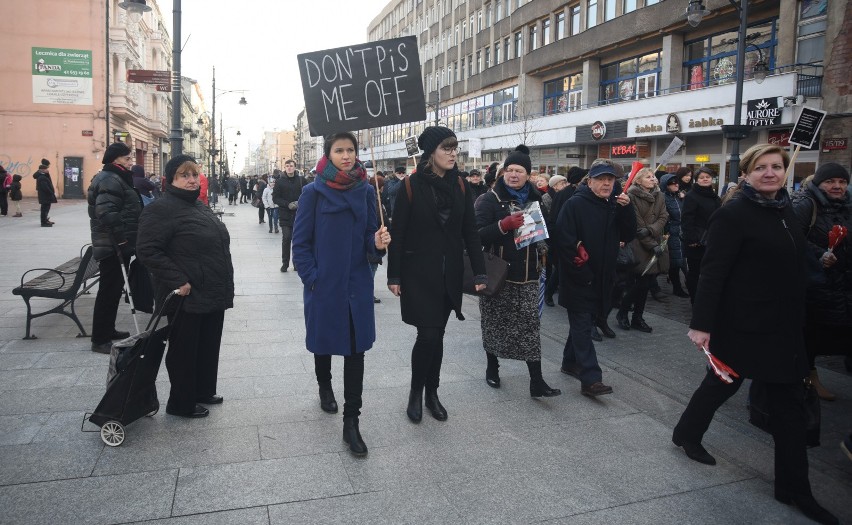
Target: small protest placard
362	86
411	146
807	127
534	229
474	148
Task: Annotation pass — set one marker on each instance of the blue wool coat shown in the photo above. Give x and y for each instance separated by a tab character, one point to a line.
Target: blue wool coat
333	233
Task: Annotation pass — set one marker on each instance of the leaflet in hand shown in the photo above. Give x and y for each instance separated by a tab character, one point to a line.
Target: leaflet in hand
533	229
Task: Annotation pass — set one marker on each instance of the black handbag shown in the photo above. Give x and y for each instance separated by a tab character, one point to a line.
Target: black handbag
758	409
495	268
626	258
141	287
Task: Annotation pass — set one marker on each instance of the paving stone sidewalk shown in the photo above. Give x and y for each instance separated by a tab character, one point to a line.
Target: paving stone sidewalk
269	454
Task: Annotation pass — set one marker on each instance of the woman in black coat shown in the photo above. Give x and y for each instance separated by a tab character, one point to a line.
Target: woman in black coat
432	225
823	203
186	248
46	193
749	313
509	320
698	205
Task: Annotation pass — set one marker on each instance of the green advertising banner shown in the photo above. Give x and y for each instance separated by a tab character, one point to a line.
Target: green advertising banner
62	76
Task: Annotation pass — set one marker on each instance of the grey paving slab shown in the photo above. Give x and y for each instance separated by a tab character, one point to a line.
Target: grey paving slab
35	400
239	485
47	461
20	429
38	378
252	516
417	504
72	359
95	500
18	361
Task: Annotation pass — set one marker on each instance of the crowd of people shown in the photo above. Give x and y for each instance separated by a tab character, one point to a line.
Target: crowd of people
765	275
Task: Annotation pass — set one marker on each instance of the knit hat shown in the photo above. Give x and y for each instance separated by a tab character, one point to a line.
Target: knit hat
173	165
556	179
830	170
432	137
521	157
399	169
138	170
42	167
114	151
576	174
45	163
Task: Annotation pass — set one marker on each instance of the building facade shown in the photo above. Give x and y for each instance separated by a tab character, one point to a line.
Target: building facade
581	79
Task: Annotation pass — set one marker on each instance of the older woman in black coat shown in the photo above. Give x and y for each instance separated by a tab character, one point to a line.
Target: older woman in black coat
433	223
698	205
186	248
749	313
510	322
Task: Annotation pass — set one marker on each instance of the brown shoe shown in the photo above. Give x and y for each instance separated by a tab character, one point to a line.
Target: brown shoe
595	389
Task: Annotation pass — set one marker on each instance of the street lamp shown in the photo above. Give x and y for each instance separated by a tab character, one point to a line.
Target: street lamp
213	150
695	12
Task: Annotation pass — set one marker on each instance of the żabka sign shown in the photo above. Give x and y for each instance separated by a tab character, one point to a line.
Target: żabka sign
363	86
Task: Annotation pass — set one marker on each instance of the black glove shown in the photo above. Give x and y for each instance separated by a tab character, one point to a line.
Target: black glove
127	251
641	233
658	250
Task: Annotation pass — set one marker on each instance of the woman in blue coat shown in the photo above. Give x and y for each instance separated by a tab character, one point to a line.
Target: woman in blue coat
334	232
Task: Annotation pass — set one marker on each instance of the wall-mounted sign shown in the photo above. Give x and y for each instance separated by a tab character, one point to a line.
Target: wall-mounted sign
88	133
702	158
705	122
834	144
672	124
807	127
62	76
598	130
780	138
624	150
763	112
648	128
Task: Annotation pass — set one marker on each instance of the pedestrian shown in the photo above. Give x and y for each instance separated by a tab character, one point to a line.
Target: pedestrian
684	179
674	207
432	225
393	182
286	197
244	191
477	185
651	256
233	190
749	312
823	204
259	188
270	205
45	191
5	186
16	195
186	248
142	185
698	205
559	186
510	321
114	209
334	232
587	234
491	175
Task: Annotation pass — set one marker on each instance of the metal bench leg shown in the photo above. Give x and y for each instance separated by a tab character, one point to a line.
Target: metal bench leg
29	319
76	320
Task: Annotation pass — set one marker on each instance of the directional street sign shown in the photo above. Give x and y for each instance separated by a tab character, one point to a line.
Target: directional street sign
147	76
164	87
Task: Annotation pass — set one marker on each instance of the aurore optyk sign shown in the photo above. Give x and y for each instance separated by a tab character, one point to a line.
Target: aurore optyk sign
362	86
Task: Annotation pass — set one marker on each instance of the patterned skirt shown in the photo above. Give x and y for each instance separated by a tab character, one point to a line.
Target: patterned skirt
510	323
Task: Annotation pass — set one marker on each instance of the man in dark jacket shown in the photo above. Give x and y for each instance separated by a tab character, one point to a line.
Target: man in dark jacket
46	193
114	209
588	230
477	185
393	182
145	187
286	195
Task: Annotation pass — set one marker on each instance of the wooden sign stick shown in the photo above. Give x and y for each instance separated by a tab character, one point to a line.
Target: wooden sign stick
376	181
792	163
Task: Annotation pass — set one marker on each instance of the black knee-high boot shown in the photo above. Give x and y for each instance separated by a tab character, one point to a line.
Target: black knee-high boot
538	388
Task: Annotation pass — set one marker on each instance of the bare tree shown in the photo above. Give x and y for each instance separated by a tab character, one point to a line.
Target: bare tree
525	123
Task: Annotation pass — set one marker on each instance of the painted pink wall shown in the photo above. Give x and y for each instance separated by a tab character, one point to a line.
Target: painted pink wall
28	131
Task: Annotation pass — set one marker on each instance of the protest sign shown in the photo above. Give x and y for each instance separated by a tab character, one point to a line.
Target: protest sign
807	127
534	229
362	86
411	146
474	148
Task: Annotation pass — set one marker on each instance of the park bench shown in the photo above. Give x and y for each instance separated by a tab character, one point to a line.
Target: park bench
66	283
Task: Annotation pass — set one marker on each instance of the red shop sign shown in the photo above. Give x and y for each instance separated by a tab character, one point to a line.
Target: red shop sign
780	138
623	150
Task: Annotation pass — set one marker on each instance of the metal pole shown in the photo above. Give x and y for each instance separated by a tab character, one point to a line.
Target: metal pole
107	142
176	135
213	134
734	166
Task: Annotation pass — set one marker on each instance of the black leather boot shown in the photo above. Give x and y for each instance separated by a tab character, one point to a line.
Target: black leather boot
538	388
415	405
352	437
434	405
809	507
326	395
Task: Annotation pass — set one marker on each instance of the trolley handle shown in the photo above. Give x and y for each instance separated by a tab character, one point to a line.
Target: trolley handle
155	320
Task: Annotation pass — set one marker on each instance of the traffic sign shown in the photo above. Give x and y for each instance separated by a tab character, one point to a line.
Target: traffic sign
148	76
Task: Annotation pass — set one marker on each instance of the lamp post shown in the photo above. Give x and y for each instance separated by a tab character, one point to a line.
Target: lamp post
213	150
737	131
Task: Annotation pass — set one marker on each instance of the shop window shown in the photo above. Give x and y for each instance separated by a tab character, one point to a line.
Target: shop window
630	79
563	94
712	61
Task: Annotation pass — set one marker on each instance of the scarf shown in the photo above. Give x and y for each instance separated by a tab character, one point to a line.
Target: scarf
189	196
125	175
340	180
781	200
521	195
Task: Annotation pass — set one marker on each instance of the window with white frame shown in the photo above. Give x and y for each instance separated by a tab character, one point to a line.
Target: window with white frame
545	31
591	14
810	37
630	79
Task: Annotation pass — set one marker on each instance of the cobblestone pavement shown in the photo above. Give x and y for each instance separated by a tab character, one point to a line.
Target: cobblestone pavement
270	455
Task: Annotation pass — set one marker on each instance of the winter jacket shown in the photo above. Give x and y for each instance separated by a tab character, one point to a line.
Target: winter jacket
600	224
5	183
114	208
15	190
143	185
267	198
490	209
181	241
44	188
204	186
287	190
425	256
674	206
478	189
829	297
698	205
651	219
392	186
751	292
333	235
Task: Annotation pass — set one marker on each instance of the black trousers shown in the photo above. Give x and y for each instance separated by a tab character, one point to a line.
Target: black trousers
788	420
4	204
353	375
637	295
551	286
110	287
261	211
693	262
286	243
193	357
45	210
428	353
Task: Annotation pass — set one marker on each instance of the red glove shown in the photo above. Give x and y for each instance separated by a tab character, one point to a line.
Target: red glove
512	222
582	255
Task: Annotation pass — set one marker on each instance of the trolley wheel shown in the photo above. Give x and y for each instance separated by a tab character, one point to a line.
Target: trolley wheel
153	412
112	433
